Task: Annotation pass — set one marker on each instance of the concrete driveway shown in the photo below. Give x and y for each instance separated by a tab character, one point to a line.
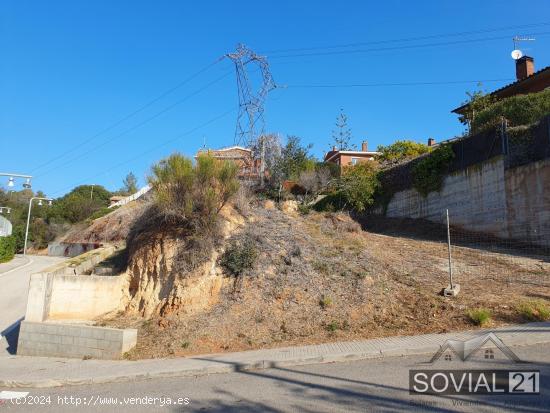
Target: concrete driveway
14	287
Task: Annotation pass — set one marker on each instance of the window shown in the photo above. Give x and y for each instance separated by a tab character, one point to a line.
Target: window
354	161
489	354
448	357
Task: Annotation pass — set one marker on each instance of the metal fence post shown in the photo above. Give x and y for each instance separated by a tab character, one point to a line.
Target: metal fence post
449	247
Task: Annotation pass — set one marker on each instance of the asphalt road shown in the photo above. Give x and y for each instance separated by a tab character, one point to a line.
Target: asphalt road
369	385
14	286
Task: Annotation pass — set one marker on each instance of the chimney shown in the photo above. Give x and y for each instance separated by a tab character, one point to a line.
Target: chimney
431	141
364	146
334	148
525	67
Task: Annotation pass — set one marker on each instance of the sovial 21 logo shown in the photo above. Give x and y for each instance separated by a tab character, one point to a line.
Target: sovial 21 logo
449	371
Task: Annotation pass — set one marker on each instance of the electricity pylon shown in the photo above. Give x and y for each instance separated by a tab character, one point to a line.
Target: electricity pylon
250	120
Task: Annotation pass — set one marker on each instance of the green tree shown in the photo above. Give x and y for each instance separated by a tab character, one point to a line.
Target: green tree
294	159
400	151
477	101
80	203
341	136
358	185
130	184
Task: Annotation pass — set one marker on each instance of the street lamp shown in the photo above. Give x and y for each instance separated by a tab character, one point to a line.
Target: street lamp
11	180
29	217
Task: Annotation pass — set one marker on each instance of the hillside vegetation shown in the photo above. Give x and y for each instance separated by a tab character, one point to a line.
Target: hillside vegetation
315	278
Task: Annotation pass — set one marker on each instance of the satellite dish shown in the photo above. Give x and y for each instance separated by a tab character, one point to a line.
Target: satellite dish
516	54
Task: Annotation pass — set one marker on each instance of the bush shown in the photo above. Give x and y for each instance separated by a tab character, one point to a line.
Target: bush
192	195
479	316
358	184
518	110
101	213
7	248
240	256
325	302
429	173
535	310
400	151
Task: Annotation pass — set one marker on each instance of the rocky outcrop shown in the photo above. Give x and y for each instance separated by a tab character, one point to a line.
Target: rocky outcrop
157	284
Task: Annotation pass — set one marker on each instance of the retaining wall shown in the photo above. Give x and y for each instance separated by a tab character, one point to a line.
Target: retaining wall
58	293
63	340
70	249
486	197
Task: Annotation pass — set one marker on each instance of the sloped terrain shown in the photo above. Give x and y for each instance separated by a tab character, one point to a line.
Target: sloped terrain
112	228
320	277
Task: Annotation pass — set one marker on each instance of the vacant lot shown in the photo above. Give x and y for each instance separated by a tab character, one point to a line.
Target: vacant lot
321	277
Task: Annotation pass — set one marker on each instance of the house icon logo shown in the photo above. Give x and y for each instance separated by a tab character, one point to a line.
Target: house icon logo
464	350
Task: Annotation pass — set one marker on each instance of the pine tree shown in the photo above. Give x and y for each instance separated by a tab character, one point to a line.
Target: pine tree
342	134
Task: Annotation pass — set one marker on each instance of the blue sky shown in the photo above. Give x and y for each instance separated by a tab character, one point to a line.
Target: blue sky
69	70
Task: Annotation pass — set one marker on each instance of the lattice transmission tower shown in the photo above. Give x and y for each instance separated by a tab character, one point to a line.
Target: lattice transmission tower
252	95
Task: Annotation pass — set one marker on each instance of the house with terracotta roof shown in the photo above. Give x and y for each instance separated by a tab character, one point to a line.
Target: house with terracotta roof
249	168
527	81
349	158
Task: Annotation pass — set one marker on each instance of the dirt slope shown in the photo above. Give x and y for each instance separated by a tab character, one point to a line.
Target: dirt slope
113	228
321	278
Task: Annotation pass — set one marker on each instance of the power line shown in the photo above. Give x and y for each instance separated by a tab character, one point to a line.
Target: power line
421	83
131	114
408	39
150	150
156	115
416	46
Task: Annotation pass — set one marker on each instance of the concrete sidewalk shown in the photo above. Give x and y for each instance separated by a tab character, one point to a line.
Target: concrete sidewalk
17	262
49	372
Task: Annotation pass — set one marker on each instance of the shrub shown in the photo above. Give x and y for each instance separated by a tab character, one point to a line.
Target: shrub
190	194
429	173
518	110
101	213
358	184
304	209
534	310
333	326
479	316
7	248
325	301
239	256
400	151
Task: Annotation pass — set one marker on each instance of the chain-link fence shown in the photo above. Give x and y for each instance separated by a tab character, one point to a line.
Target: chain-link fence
478	260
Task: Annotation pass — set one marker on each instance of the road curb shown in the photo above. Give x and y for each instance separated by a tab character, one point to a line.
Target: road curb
29	262
260	359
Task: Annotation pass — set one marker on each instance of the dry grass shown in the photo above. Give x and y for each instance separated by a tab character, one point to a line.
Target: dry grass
323	279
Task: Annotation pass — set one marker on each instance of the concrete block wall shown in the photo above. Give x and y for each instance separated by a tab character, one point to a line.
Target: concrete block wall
74	341
54	295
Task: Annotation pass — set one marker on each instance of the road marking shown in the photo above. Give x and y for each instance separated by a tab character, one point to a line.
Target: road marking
18	268
10	395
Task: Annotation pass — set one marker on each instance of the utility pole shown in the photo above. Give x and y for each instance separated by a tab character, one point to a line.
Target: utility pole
29	218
